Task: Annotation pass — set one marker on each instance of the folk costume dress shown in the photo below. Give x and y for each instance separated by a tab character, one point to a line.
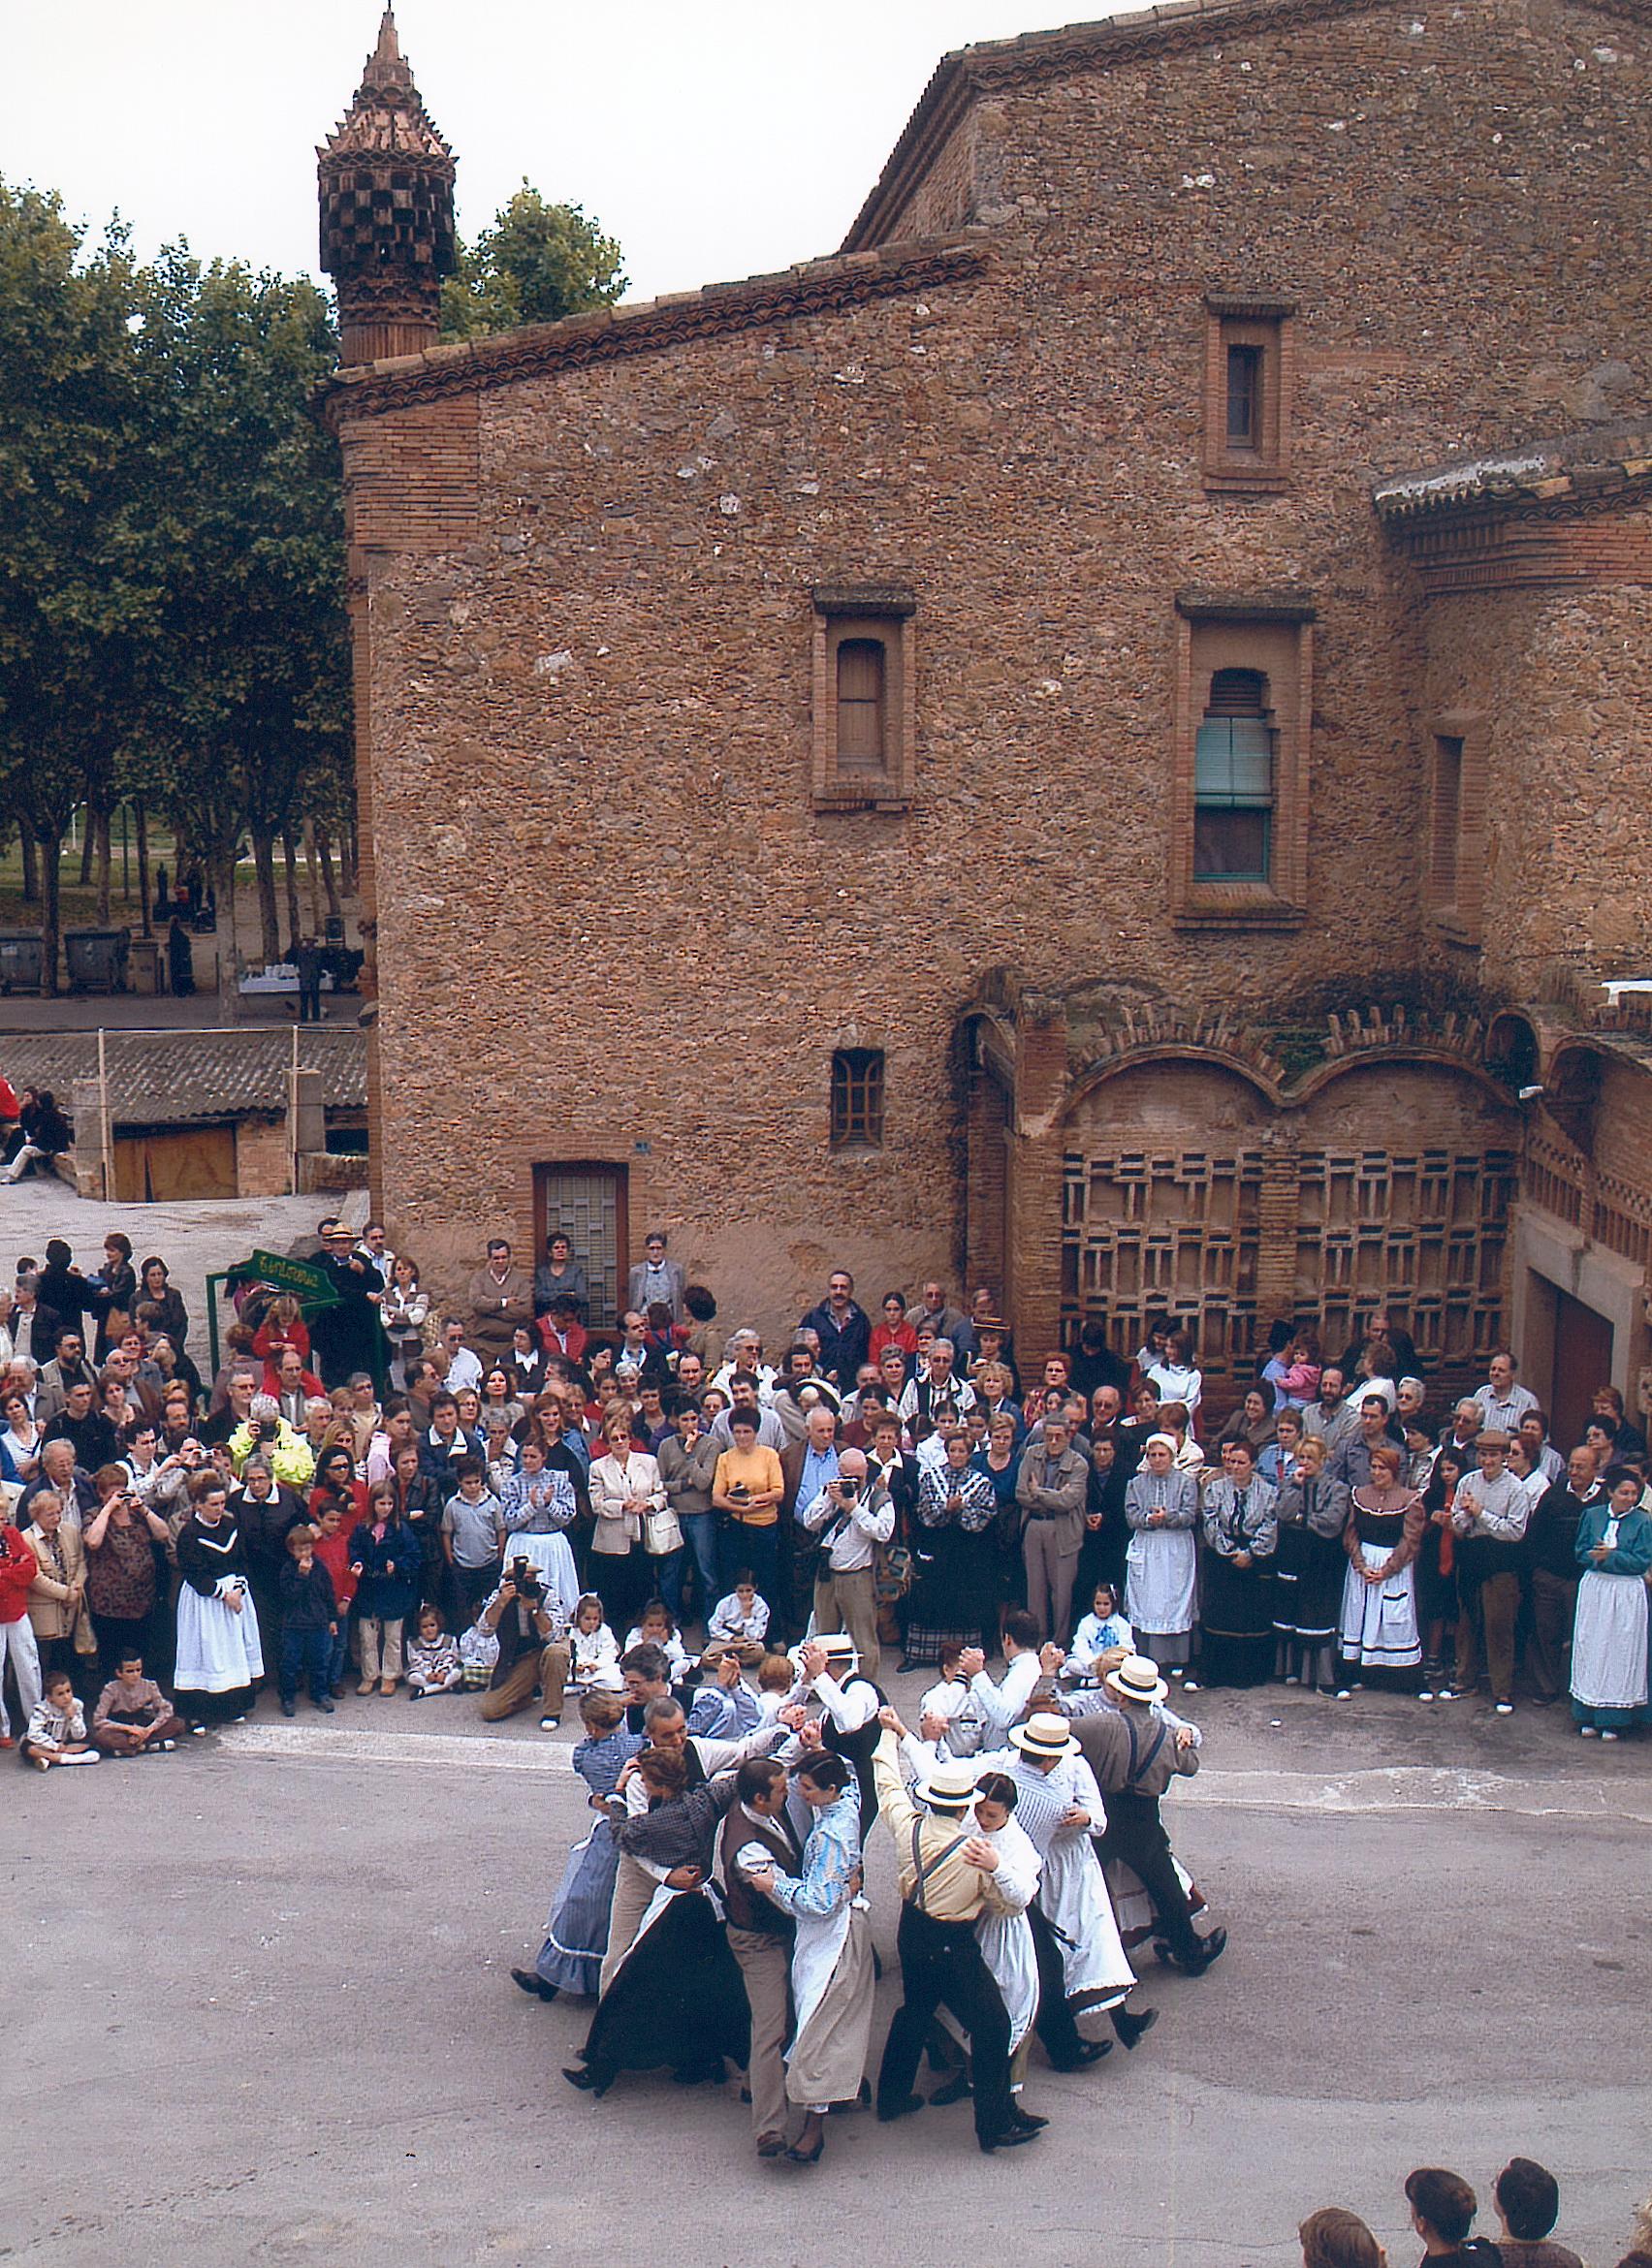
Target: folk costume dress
1378	1620
1161	1563
676	1997
1237	1611
1006	1939
832	1968
1308	1570
956	1596
220	1652
576	1936
1072	1892
1608	1639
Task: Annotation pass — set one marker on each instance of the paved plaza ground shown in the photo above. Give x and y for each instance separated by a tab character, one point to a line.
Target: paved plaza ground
258	2011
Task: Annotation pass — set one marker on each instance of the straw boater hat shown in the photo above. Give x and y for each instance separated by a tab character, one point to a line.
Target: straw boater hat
838	1647
1136	1679
1043	1738
947	1786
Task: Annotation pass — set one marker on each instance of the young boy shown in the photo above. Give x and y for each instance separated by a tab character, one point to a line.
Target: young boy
310	1623
473	1537
331	1548
132	1717
57	1727
739	1624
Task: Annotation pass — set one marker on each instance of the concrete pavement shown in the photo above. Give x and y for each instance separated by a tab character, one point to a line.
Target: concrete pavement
258	2010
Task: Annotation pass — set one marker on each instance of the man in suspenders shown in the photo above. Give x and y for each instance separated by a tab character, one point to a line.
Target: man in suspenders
1135	1757
948	1881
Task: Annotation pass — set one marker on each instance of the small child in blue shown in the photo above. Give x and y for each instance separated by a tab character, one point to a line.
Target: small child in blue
1097	1633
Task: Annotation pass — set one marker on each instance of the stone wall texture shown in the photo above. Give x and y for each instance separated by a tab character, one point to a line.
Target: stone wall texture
611	925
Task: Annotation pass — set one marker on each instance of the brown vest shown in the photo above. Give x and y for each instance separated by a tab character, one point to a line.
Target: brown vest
747	1910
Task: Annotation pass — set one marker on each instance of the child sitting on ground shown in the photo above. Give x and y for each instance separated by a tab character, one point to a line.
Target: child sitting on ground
1104	1627
433	1665
132	1717
595	1656
57	1727
739	1623
656	1627
478	1653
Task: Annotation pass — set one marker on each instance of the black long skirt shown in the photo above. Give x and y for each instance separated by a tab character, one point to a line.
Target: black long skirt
1308	1577
1237	1623
677	1998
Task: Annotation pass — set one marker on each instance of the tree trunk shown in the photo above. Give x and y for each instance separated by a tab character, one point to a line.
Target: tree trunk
140	824
31	868
229	961
313	863
352	879
269	915
329	884
86	846
289	852
50	917
102	824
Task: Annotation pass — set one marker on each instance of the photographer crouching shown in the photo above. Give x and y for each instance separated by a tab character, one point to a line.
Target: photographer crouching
531	1624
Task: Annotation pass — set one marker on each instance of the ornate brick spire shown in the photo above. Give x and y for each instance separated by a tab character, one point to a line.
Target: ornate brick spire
387	233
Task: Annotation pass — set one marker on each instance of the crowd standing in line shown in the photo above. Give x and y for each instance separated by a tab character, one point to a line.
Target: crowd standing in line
712	1554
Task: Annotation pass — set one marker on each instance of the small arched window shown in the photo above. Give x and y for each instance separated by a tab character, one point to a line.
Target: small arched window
857	1098
1233	781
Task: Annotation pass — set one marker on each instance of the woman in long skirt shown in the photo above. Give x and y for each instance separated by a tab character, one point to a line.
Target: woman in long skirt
676	1997
1378	1618
220	1657
955	1600
1608	1641
1161	1510
1309	1566
832	1968
1240	1530
576	1936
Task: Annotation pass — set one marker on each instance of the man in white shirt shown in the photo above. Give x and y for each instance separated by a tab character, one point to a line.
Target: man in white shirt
850	1518
941	1383
997	1707
1501	1403
745	1352
463	1368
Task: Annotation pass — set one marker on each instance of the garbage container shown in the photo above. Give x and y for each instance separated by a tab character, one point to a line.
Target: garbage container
21	960
144	969
97	959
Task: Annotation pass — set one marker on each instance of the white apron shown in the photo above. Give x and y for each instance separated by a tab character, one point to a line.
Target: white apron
1609	1642
1161	1566
1072	1892
815	1954
1378	1620
219	1651
1005	1939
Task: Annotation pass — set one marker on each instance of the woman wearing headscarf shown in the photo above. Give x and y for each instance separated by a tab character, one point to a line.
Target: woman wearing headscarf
1161	1510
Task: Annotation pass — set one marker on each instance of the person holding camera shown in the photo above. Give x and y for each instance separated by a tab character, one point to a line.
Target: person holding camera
531	1626
849	1517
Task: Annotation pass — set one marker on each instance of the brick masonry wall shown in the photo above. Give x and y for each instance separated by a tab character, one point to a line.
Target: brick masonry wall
608	915
263	1160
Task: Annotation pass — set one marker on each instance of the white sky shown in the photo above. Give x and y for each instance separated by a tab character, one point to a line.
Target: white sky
715	141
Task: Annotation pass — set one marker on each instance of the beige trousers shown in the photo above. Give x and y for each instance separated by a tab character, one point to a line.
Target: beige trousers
845	1602
765	1964
633	1887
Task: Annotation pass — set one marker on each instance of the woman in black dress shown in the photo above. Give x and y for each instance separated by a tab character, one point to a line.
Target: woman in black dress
1309	1566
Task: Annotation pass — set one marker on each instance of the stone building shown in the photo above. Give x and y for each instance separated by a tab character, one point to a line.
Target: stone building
1090	742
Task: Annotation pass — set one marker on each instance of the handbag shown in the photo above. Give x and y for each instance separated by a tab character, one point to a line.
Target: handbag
893	1570
663	1533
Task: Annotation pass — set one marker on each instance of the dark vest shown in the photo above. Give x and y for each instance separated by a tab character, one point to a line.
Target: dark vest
857	1750
746	1909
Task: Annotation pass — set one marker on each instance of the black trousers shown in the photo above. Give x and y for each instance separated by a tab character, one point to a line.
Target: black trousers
1053	2023
942	1968
1135	1834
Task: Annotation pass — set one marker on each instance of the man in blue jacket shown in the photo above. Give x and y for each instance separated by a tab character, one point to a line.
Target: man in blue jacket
845	1331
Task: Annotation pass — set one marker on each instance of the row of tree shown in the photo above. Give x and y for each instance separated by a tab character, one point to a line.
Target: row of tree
173	632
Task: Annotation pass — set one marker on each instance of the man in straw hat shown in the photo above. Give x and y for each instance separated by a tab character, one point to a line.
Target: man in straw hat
1134	1757
948	1879
849	1703
1082	1961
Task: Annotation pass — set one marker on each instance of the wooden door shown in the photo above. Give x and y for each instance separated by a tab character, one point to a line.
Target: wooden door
588	1203
196	1161
1582	1365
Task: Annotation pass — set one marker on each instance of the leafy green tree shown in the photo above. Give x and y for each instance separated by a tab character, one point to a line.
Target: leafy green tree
74	606
536	263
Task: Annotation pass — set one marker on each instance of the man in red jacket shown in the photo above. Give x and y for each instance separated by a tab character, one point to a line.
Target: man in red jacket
19	1568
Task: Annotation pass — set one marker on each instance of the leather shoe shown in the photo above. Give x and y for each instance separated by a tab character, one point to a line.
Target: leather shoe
955	2089
901	2107
1090	2051
1129	2028
1031	2121
587	2081
1010	2140
1211	1948
536	1985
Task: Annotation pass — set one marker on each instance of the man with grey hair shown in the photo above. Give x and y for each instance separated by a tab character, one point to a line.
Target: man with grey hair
849	1517
940	1382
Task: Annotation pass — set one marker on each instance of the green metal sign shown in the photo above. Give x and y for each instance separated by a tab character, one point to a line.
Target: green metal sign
307	1282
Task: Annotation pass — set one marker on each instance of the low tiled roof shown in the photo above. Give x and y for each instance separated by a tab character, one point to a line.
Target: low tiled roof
647	326
1597	462
192	1077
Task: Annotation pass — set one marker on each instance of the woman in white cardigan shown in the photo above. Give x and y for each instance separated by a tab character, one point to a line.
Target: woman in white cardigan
625	1489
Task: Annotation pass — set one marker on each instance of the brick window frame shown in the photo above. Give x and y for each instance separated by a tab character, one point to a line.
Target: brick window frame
1457	756
1262	325
1272	633
857	1098
881	614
